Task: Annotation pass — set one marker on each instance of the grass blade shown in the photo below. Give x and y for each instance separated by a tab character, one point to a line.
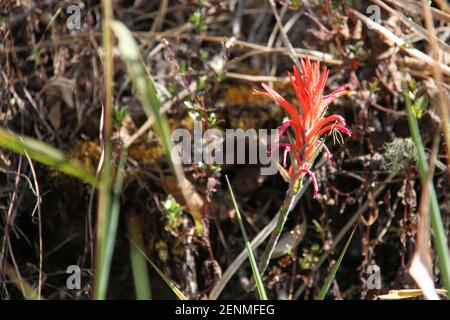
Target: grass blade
169	282
114	215
439	237
44	154
329	279
256	275
145	88
138	262
102	264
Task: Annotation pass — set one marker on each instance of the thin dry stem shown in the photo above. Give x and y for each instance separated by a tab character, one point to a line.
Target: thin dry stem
438	78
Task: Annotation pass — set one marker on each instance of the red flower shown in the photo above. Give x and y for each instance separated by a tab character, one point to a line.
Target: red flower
308	118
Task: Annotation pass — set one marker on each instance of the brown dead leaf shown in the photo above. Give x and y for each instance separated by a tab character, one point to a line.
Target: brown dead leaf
54	115
60	87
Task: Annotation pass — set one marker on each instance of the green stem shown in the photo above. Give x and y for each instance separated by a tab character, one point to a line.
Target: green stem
104	210
288	204
439	237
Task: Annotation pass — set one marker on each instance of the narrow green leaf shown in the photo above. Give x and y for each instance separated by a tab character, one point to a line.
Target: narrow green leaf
257	276
112	224
44	154
138	263
439	237
102	265
169	282
329	279
143	84
147	94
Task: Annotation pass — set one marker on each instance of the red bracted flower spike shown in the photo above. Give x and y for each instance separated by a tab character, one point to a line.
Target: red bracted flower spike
307	118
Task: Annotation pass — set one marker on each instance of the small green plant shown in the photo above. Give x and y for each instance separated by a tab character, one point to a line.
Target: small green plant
418	100
201	83
212	119
222	76
374	86
119	115
172	212
182	68
35	54
204	55
172	88
215	168
357	50
318	227
194	110
310	257
197	19
296	4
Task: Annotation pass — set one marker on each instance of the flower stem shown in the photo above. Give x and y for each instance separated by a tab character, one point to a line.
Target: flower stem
289	203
